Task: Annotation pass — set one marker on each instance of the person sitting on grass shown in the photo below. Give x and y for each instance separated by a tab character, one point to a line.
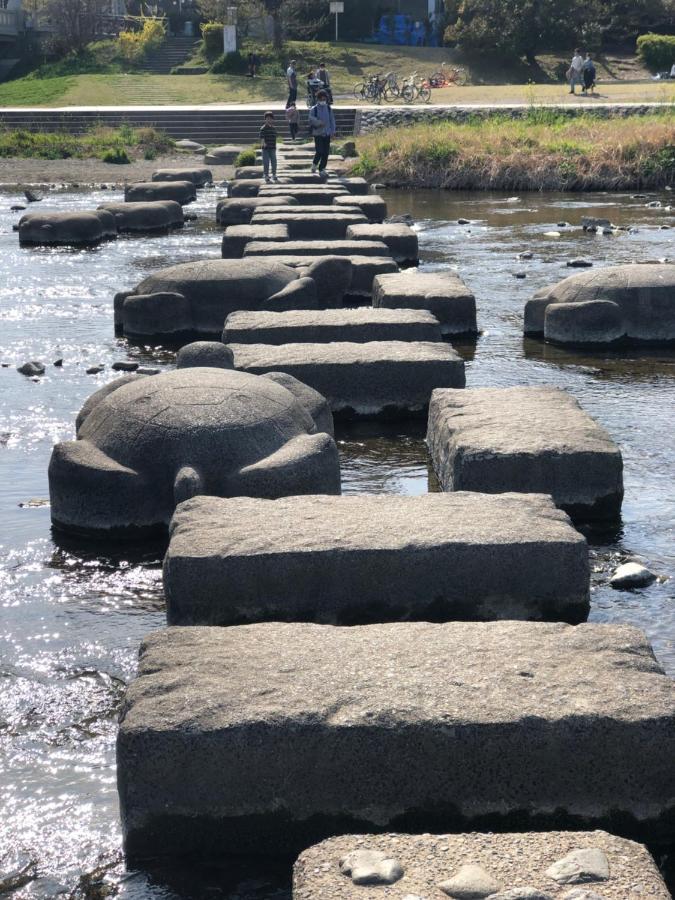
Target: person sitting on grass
292	117
268	143
322	125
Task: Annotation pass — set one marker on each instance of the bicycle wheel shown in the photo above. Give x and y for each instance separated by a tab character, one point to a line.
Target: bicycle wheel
391	94
360	91
408	93
457	76
424	94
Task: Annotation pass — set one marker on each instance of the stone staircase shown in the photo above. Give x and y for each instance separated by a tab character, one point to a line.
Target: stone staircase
173	52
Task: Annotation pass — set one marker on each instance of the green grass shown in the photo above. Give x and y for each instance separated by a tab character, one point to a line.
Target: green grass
500	153
113	145
33	92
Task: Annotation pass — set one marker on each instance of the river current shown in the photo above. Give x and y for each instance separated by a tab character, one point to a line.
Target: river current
72	614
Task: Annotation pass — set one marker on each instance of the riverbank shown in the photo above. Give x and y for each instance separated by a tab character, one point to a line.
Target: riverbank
542	151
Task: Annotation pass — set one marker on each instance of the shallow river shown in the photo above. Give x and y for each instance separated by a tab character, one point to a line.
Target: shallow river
73	616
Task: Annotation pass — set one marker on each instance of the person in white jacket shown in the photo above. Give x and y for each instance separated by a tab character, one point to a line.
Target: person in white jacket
575	76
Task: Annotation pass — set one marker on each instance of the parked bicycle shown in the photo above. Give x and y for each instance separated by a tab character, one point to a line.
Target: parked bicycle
377	88
415	88
447	76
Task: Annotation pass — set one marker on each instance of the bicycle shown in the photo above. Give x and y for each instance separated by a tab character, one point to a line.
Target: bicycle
445	77
415	87
372	90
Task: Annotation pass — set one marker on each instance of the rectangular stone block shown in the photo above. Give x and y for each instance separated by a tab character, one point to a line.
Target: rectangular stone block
238	210
535	440
313	226
401	240
263	739
321	195
443	293
513	863
372	205
317	248
379	378
326	325
369	558
364	271
237	237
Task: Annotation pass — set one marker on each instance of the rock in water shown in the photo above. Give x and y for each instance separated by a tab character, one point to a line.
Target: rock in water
371	867
580	867
205	353
34	367
579	263
238	434
631	575
472	882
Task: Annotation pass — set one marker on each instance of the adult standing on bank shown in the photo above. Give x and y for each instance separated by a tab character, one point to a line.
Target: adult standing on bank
292	80
574	72
322	124
323	76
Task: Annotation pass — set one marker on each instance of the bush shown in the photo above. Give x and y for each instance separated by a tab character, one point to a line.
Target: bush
133	45
232	63
245	158
657	51
117	156
212	36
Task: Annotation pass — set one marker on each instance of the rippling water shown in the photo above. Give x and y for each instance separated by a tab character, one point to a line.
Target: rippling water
73	615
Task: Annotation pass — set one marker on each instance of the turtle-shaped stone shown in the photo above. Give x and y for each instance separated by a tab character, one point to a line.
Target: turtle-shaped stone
146	443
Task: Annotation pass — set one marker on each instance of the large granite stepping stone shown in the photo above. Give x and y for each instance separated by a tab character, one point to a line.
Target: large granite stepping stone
359	187
71	229
517	863
261	739
302	226
237	237
144	191
378	378
238	210
401	240
360	559
149	443
322	195
373	206
443	293
142	218
317	248
364	271
326	325
617	305
530	439
194	299
224	155
199	176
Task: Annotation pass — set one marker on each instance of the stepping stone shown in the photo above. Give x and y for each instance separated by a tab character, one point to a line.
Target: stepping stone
305	193
327	325
379	378
144	217
260	739
187	146
85	228
238	210
401	240
237	237
199	176
370	558
357	186
364	271
182	192
312	226
534	440
516	862
443	293
373	206
317	248
223	156
309	209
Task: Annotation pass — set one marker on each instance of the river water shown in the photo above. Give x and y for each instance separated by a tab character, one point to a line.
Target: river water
73	615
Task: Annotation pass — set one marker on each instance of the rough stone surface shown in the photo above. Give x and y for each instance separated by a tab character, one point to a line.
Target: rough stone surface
143	217
263	738
363	271
314	402
525	439
196	298
372	206
197	175
209	354
643	293
31	368
317	248
373	559
443	293
325	326
59	228
237	237
370	867
516	861
224	155
326	226
143	191
320	195
378	378
472	882
147	444
631	575
402	241
580	867
238	210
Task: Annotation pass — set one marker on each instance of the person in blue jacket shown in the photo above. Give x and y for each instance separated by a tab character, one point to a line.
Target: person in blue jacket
322	126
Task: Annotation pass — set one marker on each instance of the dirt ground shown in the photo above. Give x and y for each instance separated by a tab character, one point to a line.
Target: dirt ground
16	173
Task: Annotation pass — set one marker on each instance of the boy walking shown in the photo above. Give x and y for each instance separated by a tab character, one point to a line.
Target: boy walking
292	117
268	143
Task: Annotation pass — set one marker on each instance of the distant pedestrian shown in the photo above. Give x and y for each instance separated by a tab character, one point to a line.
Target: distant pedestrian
323	76
268	144
292	81
322	125
574	71
253	64
292	117
588	72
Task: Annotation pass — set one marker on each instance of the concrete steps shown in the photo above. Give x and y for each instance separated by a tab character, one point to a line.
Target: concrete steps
174	52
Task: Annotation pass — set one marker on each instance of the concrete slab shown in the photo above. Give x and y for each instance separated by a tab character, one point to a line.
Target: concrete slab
305	193
317	248
328	225
443	293
327	325
373	206
359	559
525	439
237	237
401	240
263	739
379	378
238	210
516	863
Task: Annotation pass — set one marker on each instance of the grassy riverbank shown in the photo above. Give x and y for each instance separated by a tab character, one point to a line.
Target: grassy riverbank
112	145
541	152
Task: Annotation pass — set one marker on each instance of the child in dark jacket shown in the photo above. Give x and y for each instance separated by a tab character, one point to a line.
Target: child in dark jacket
268	143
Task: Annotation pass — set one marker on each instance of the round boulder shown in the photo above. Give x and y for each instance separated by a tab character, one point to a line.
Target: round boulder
198	176
209	354
143	191
592	322
147	444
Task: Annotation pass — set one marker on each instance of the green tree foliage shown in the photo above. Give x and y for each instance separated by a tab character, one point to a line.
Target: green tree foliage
657	51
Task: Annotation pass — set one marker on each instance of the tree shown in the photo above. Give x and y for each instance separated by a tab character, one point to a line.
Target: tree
75	23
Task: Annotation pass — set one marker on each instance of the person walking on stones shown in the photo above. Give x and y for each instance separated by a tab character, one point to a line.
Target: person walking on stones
322	125
292	81
574	71
292	117
323	76
588	72
268	143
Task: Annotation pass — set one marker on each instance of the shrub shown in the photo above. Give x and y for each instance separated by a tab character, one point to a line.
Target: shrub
150	153
657	51
232	63
212	36
245	158
133	45
116	155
